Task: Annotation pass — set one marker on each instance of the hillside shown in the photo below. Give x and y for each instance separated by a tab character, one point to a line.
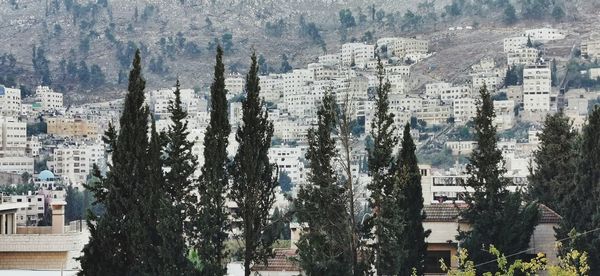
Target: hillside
85	46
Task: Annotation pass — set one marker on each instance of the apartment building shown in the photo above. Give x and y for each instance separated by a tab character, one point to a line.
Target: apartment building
522	56
536	88
73	163
49	99
71	127
464	109
357	54
10	101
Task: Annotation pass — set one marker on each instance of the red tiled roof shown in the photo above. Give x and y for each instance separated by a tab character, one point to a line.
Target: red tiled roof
448	212
280	262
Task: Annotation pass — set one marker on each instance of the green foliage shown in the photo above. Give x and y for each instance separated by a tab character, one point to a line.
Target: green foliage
381	164
555	163
580	205
411	21
510	14
134	236
285	64
409	204
285	182
558	13
227	42
41	66
346	19
514	75
324	246
158	66
574	263
311	31
253	186
535	9
37	128
497	215
209	217
18	189
275	29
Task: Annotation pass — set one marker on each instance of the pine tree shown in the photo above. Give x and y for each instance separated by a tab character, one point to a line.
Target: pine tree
178	181
253	188
211	221
549	180
581	211
380	168
411	206
324	246
497	216
111	249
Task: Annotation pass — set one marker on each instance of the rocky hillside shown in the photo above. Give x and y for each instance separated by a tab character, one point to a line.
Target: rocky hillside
84	47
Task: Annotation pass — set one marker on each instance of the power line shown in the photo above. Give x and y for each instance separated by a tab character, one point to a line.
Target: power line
528	249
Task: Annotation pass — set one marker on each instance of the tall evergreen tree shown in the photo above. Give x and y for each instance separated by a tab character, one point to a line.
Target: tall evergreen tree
549	180
210	223
581	212
381	170
324	246
181	162
111	249
253	188
412	240
497	216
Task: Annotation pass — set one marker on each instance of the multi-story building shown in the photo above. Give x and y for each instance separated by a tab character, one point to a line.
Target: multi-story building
400	47
357	54
13	135
159	100
464	109
590	47
446	92
10	101
536	88
33	213
234	84
71	127
49	99
512	44
522	56
331	59
493	79
544	34
289	160
73	163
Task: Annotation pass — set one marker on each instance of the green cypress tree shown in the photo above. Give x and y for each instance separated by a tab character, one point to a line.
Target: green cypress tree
549	180
410	205
182	163
324	246
581	211
179	157
253	188
381	167
211	221
111	249
497	216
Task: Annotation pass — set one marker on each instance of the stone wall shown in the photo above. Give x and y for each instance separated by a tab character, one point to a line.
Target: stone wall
33	260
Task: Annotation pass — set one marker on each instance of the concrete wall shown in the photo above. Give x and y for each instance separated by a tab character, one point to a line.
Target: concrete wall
33	260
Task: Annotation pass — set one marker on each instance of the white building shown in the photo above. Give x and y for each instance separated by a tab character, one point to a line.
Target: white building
10	101
590	47
464	109
158	101
289	160
49	99
235	85
357	54
331	59
512	44
544	34
536	88
73	163
522	56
